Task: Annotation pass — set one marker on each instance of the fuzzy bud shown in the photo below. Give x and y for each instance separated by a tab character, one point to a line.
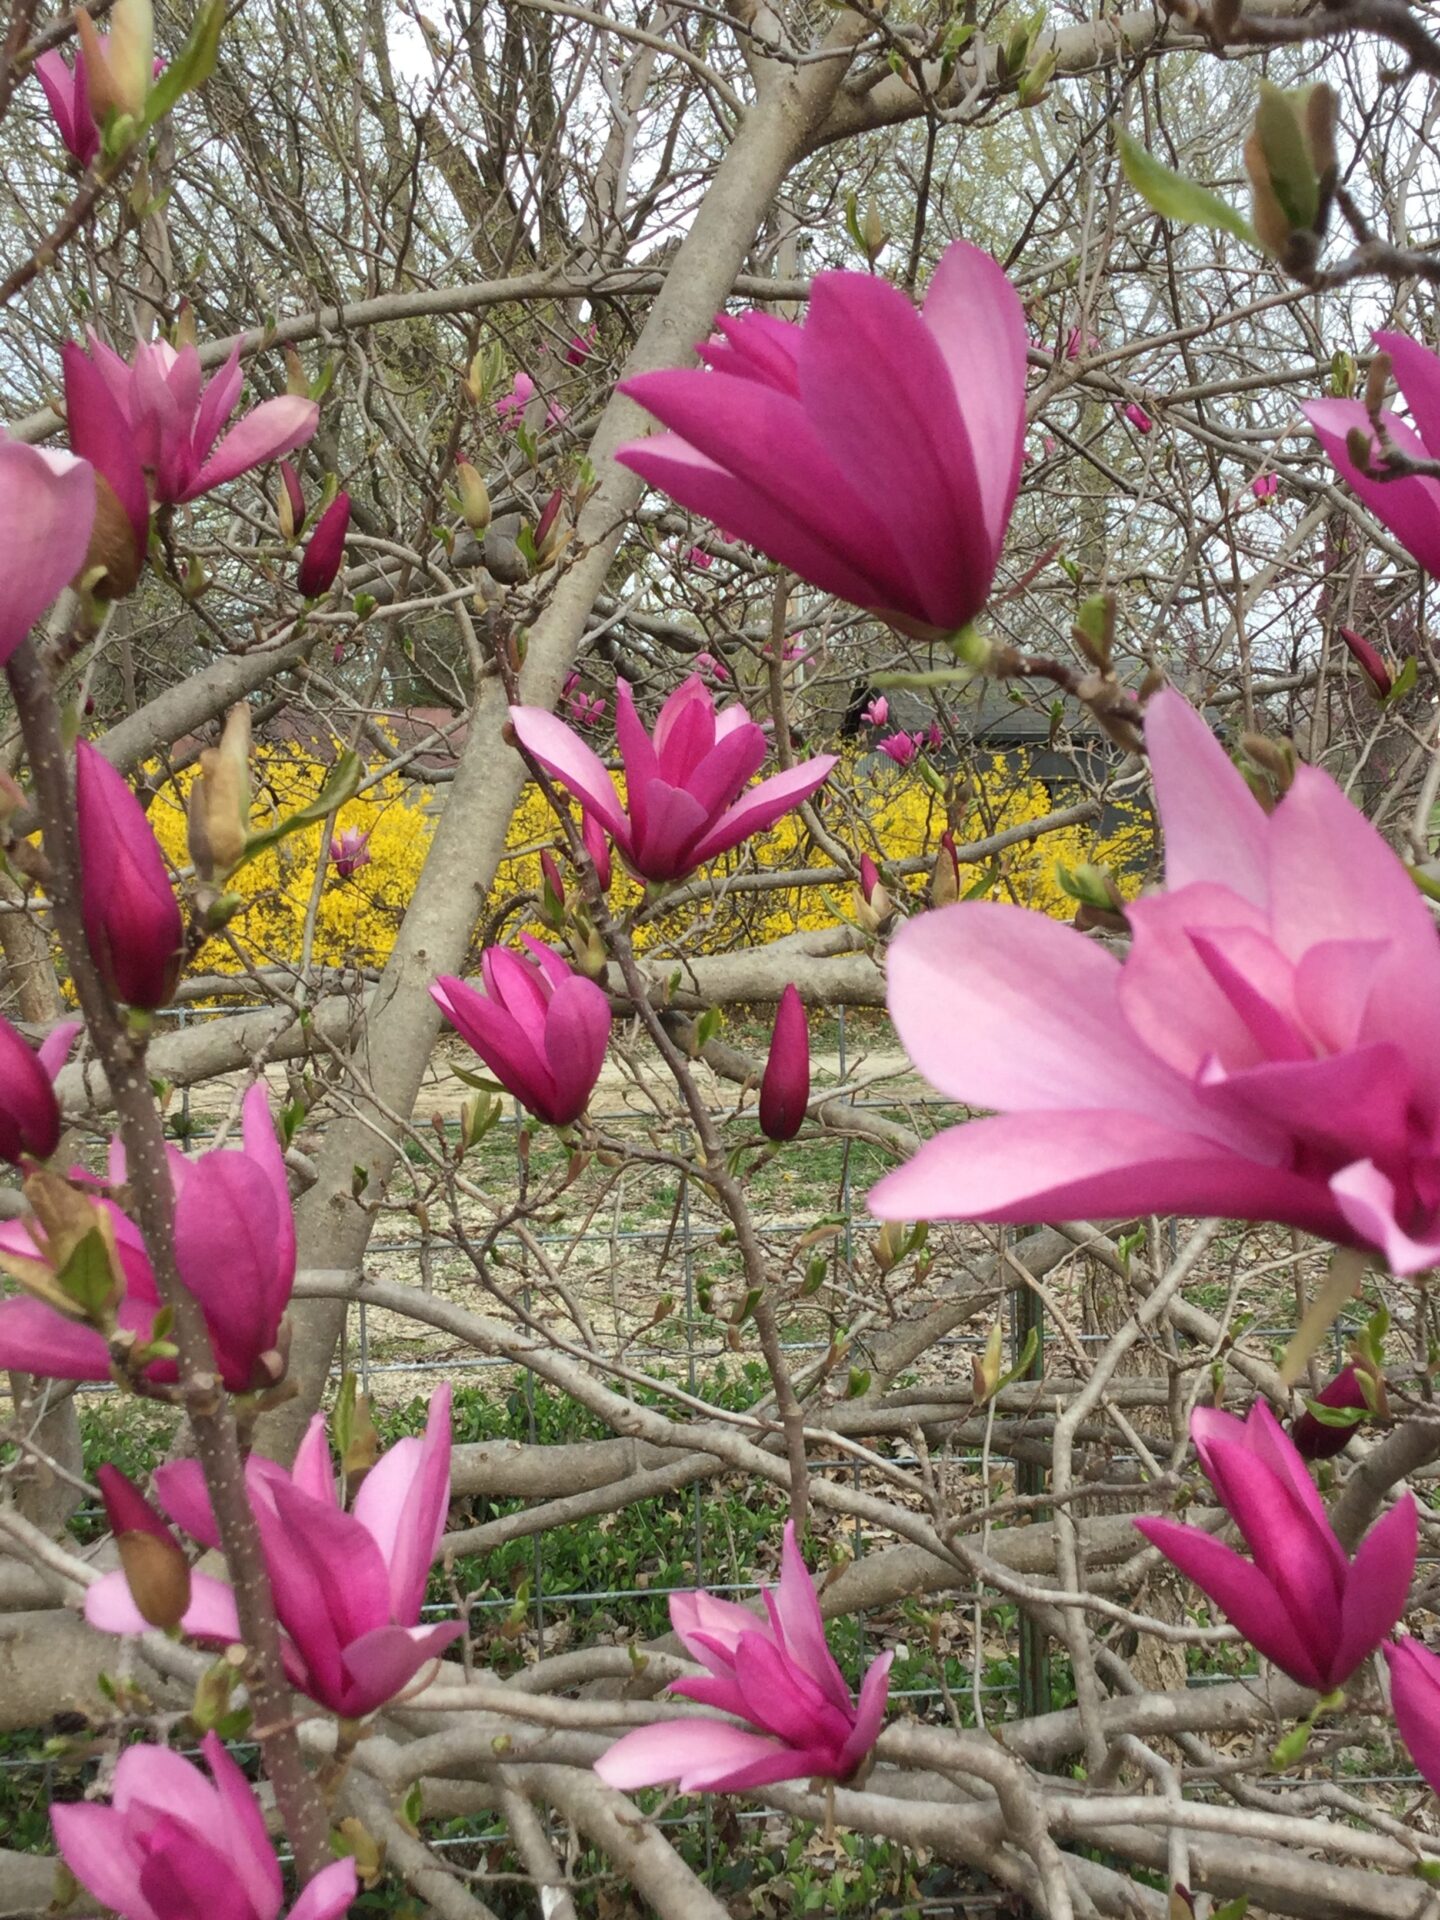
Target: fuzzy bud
156	1570
474	495
219	816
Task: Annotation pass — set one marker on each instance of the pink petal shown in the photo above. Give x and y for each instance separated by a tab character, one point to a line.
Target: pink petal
383	1663
666	825
99	1850
313	1471
870	1713
1366	1200
275	427
1378	1587
780	1698
403	1501
1415	1695
1215	828
1087	1164
722	1622
978	324
329	1894
761	806
1170	999
576	1036
577	767
47	507
1417	374
54	1049
1410	508
704	1756
240	1832
181	1490
796	1611
219	401
263	1149
35	1338
1241	1592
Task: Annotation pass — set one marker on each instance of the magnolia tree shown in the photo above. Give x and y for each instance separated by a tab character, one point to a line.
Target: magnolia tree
836	384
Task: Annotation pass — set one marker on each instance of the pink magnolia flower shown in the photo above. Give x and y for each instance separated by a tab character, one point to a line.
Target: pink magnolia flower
47	507
1369	660
132	920
100	433
685	785
581	345
1268	1050
1409	507
235	1248
587	709
902	748
934	737
776	1674
350	850
348	1587
1138	417
873	450
175	418
235	1243
1313	1439
785	1087
325	549
713	669
539	1027
29	1112
1301	1601
877	713
173	1845
1415	1696
1265	486
1080	342
700	559
68	93
511	406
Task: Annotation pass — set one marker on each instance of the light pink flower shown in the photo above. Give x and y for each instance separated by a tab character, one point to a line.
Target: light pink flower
1410	507
713	669
348	1587
698	557
776	1674
47	508
873	450
1268	1050
541	1028
1301	1600
350	850
877	713
686	797
1415	1696
175	418
173	1845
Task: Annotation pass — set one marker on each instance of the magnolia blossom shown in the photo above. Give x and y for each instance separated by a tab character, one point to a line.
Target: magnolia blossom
685	784
785	1087
67	90
902	748
1301	1600
1409	507
540	1028
37	1338
778	1675
877	713
581	345
873	450
350	850
100	433
1265	486
700	559
133	923
1415	1696
173	1845
29	1112
325	549
712	668
1269	1049
1313	1439
586	709
348	1587
511	406
1370	661
47	507
1138	417
175	417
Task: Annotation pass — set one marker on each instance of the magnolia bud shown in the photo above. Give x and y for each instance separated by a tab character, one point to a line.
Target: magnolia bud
119	68
1377	379
219	816
1360	446
945	874
156	1570
1290	158
474	496
289	502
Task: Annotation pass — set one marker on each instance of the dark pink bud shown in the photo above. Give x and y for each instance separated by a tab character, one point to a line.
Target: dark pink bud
29	1113
1313	1439
598	848
552	891
1369	661
326	549
785	1089
547	517
1138	417
132	919
581	346
156	1570
869	877
1265	485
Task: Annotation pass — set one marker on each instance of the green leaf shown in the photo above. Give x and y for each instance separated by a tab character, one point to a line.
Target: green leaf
343	784
1176	198
192	66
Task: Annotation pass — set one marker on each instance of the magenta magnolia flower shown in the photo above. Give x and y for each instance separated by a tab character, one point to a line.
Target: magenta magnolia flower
350	850
581	345
712	669
1265	485
776	1674
325	549
235	1243
873	450
173	1845
1415	1697
586	709
541	1029
1268	1050
1301	1601
1369	660
175	418
511	406
47	507
68	93
132	919
1138	417
877	713
685	799
29	1112
700	559
785	1087
1410	508
348	1587
902	748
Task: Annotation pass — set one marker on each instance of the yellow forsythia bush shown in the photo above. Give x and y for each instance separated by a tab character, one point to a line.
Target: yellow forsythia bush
886	811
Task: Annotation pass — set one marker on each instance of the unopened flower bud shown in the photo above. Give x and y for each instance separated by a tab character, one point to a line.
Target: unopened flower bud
325	549
296	383
118	67
874	908
598	848
552	891
156	1570
474	496
1377	379
945	874
219	814
289	502
1360	445
1290	158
